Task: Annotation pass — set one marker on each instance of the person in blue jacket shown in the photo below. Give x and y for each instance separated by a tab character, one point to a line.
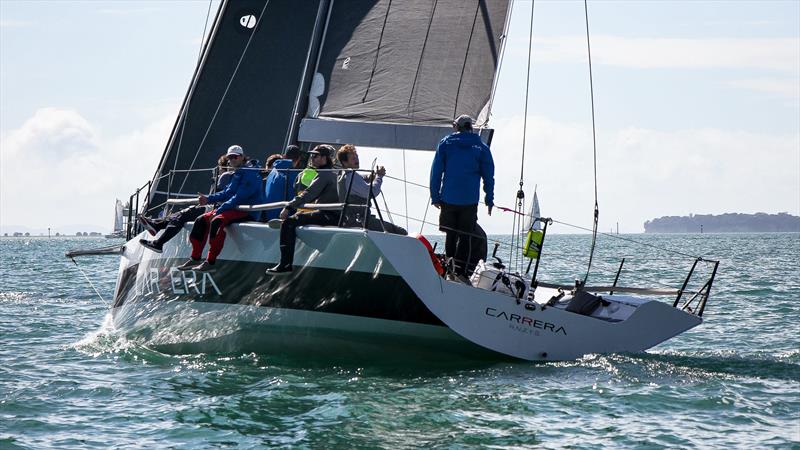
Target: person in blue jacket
243	189
280	182
461	161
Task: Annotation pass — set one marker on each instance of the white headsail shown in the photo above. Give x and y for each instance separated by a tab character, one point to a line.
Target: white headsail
118	216
534	213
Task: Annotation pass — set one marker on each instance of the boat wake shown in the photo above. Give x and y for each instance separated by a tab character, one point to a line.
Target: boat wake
108	340
728	363
671	365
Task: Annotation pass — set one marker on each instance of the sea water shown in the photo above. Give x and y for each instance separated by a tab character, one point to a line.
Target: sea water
69	380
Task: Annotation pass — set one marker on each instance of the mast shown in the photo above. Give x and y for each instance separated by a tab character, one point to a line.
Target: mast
312	59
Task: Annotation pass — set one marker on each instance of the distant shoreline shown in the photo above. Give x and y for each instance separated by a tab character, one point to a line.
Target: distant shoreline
725	223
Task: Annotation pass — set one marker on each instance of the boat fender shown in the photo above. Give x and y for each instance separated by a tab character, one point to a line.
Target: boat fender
437	265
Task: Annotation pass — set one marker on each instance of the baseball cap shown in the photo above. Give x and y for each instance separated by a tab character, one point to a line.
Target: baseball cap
235	150
463	121
323	149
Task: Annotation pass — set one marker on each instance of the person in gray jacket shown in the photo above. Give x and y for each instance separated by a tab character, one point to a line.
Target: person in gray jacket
358	186
321	190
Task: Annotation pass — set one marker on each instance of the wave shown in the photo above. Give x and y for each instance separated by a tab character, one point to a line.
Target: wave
784	366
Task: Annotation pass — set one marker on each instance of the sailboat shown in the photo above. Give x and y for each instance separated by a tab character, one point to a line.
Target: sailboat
376	73
119	221
534	213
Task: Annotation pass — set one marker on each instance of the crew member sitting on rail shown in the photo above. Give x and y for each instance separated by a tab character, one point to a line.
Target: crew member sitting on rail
173	223
280	182
321	190
359	189
270	164
244	189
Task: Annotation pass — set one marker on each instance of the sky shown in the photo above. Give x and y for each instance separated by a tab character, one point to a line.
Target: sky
697	108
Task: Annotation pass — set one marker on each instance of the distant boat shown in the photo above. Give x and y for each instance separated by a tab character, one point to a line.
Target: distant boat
535	213
119	221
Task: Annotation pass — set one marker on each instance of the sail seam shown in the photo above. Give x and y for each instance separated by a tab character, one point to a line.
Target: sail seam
377	52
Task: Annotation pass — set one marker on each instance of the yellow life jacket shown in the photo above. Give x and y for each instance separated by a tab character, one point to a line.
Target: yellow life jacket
307	176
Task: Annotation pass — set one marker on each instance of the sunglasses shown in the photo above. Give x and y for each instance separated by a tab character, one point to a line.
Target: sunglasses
234	156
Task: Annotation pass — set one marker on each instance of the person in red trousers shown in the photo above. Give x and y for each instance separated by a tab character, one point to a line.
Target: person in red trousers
244	189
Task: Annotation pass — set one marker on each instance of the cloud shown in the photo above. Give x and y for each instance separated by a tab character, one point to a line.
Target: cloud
51	132
779	54
779	87
58	169
128	11
6	23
